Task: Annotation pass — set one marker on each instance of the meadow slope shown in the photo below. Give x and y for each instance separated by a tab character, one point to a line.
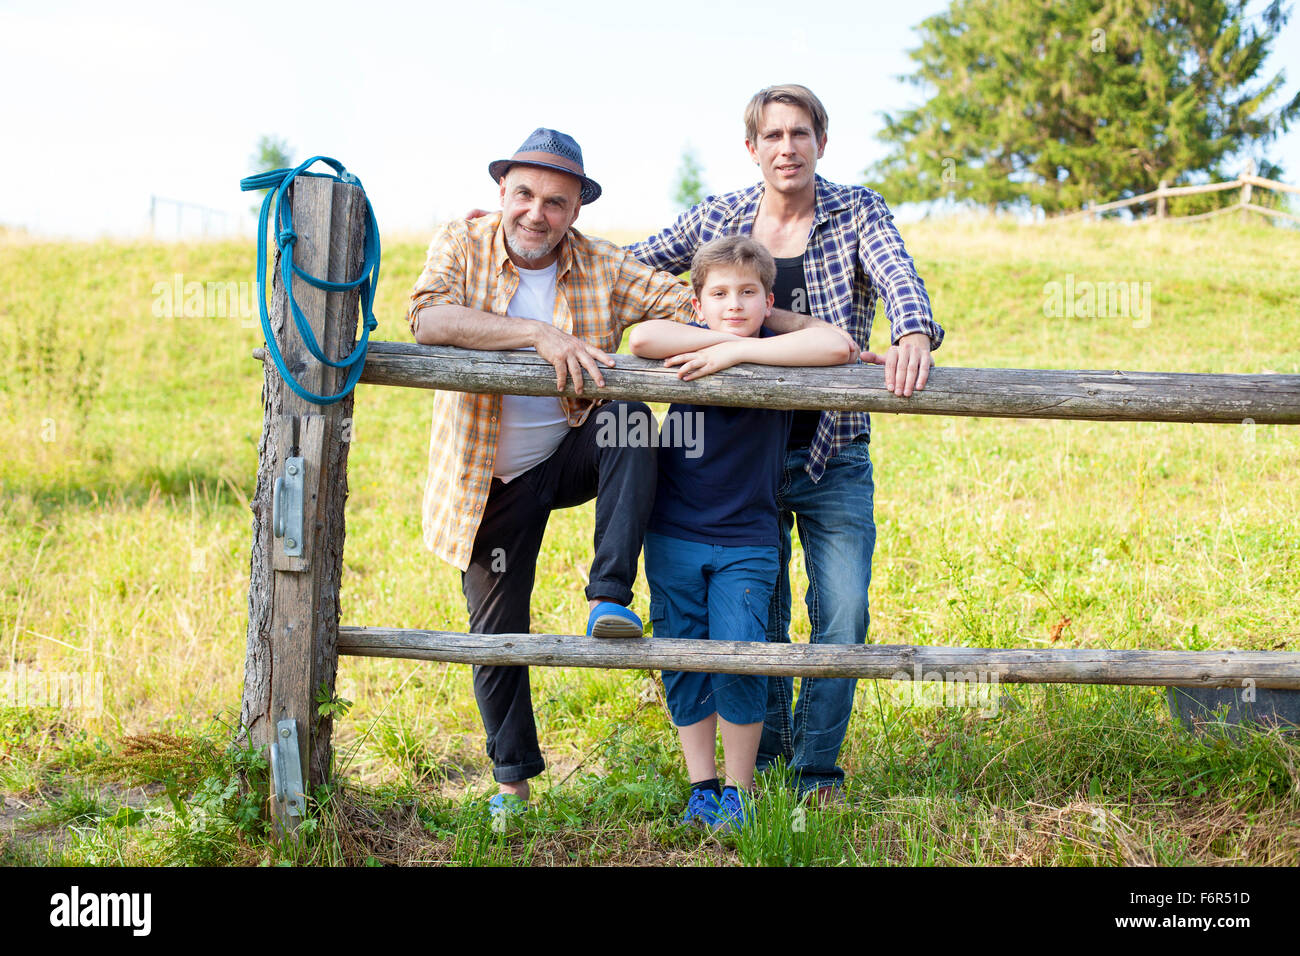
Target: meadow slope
130	456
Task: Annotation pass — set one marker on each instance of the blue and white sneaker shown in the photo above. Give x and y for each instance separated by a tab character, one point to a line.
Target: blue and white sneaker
613	620
507	805
733	812
701	809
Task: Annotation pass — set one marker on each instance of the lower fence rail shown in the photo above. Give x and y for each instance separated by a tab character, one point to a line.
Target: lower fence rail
1275	669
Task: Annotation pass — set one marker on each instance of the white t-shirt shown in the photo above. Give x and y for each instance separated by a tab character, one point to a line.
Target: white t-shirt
532	426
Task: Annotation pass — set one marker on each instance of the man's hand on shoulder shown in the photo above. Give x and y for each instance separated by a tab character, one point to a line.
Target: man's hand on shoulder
907	364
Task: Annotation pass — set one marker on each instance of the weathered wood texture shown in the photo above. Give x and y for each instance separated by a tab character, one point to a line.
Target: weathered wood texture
1270	184
882	661
293	609
997	393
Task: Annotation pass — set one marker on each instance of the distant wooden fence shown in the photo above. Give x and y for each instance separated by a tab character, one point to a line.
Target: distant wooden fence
1246	182
294	638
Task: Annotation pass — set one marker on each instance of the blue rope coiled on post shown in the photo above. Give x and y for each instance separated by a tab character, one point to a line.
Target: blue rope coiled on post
277	181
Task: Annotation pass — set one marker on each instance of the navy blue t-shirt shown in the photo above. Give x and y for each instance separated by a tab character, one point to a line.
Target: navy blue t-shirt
718	474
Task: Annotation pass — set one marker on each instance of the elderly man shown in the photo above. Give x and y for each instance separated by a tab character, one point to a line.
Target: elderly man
836	250
524	278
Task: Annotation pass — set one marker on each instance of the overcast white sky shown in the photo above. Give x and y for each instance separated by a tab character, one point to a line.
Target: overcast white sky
105	105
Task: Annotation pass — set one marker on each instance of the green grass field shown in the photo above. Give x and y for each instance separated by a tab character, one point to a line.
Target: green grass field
130	455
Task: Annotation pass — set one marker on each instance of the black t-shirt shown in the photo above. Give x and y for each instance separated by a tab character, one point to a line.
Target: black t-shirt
791	293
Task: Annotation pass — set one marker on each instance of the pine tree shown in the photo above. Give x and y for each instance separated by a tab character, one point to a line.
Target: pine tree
1054	103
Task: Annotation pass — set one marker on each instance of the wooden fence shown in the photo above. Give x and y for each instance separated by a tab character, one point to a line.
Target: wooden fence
1246	183
294	637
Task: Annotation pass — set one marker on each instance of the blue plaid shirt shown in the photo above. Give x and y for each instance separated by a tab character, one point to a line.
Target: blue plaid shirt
854	254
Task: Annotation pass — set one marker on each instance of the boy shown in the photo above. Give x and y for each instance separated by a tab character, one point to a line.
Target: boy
711	547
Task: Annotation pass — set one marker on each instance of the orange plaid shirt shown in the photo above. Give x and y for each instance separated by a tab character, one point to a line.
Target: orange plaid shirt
599	291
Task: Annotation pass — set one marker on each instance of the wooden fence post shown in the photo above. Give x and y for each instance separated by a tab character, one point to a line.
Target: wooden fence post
1245	191
1161	201
293	601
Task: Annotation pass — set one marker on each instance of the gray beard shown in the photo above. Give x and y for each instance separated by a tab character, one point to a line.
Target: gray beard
528	255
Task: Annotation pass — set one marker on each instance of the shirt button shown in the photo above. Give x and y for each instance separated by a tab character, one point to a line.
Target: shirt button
494	419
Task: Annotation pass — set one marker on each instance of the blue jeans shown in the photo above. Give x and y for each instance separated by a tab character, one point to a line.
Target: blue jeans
710	592
838	533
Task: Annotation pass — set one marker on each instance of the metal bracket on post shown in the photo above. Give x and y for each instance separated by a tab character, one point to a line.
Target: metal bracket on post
286	771
286	507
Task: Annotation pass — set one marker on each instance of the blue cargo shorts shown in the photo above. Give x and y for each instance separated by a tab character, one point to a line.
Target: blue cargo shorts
710	592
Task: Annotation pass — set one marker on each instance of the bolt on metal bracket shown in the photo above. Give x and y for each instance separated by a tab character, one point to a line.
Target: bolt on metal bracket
286	771
286	507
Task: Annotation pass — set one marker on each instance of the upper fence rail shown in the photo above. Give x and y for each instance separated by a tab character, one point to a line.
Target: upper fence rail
1102	395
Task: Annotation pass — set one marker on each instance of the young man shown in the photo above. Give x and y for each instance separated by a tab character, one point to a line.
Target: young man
836	250
712	545
525	278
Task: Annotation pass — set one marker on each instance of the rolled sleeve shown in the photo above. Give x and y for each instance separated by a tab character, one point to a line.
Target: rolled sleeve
443	280
885	259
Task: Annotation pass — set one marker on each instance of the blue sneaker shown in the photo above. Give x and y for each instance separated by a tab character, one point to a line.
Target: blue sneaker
507	805
613	620
701	809
732	811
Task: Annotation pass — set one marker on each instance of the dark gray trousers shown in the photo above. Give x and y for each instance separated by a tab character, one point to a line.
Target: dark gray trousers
498	586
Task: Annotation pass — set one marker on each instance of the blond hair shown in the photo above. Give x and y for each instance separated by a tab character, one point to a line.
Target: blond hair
791	94
739	251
